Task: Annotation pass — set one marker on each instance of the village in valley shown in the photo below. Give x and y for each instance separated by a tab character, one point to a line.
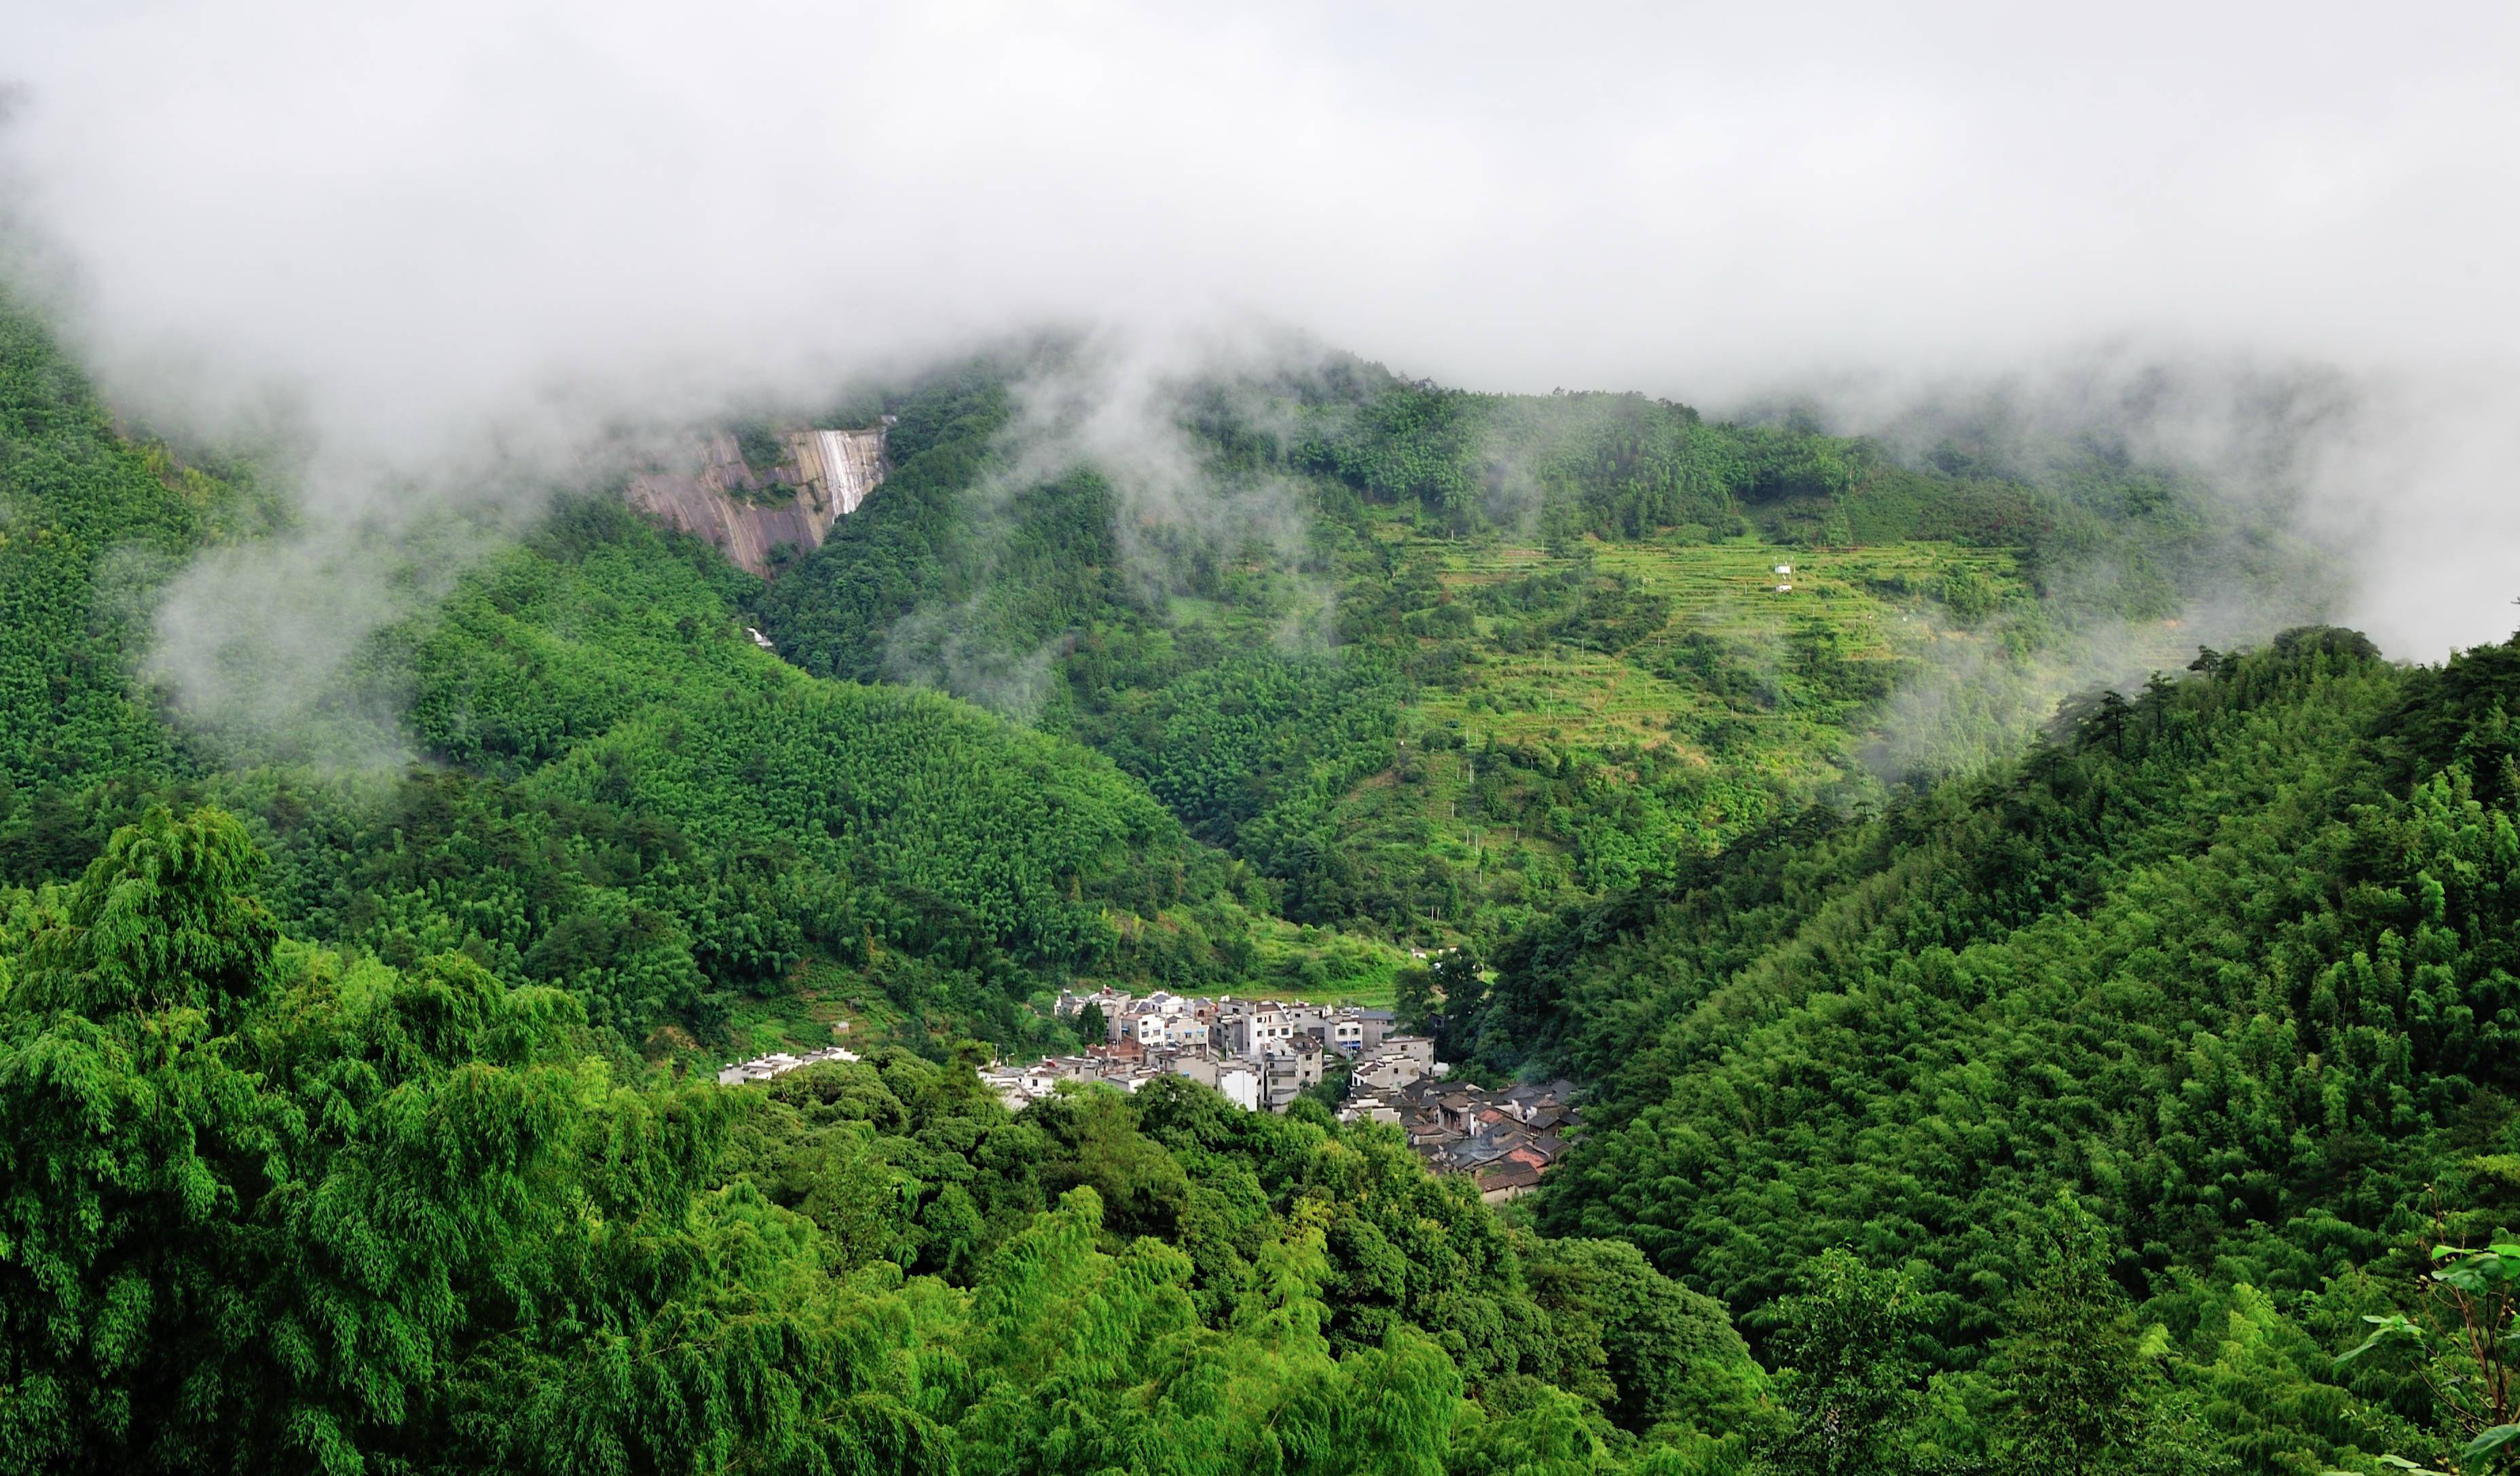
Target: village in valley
1262	1055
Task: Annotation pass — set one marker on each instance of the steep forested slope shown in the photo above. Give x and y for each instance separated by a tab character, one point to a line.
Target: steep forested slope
610	788
88	523
647	809
2233	964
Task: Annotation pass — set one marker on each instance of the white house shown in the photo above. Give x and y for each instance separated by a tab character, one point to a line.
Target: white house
1253	1032
762	1068
1236	1082
1152	1029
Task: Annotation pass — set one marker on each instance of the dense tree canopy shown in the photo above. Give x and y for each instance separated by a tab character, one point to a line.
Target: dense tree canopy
267	1208
2230	967
2139	1102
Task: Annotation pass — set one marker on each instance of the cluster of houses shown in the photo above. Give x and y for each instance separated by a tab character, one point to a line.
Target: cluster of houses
762	1068
1261	1054
1504	1140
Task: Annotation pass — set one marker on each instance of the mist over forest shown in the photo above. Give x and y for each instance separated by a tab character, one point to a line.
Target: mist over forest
985	739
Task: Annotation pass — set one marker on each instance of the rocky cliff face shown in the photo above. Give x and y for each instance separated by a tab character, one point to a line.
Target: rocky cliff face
763	516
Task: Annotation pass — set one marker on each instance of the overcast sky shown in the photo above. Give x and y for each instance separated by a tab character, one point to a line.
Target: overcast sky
422	219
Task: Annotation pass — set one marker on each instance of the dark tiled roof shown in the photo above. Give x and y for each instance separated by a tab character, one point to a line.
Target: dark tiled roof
1509	1176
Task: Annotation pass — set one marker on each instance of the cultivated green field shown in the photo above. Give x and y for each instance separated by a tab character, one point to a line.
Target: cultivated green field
1721	703
1870	600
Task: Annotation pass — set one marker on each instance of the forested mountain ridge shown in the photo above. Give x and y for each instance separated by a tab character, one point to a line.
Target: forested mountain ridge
1524	647
2232	964
613	791
412	1199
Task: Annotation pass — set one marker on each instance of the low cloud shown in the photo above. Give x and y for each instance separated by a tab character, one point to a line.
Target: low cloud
420	238
1117	405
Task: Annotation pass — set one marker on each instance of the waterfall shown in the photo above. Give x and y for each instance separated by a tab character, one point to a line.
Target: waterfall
852	462
831	472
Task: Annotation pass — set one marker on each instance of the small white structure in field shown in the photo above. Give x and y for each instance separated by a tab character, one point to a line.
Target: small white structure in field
1784	589
1784	569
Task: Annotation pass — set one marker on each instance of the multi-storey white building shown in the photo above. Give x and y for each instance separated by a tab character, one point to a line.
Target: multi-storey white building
1237	1081
1175	1031
1255	1028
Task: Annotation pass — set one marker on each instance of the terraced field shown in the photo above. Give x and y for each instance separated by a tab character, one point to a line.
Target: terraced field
1873	603
1876	593
1719	702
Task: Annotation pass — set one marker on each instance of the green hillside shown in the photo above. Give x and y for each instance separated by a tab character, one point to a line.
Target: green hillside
1531	646
1972	1085
89	523
264	1206
610	788
2230	967
642	806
